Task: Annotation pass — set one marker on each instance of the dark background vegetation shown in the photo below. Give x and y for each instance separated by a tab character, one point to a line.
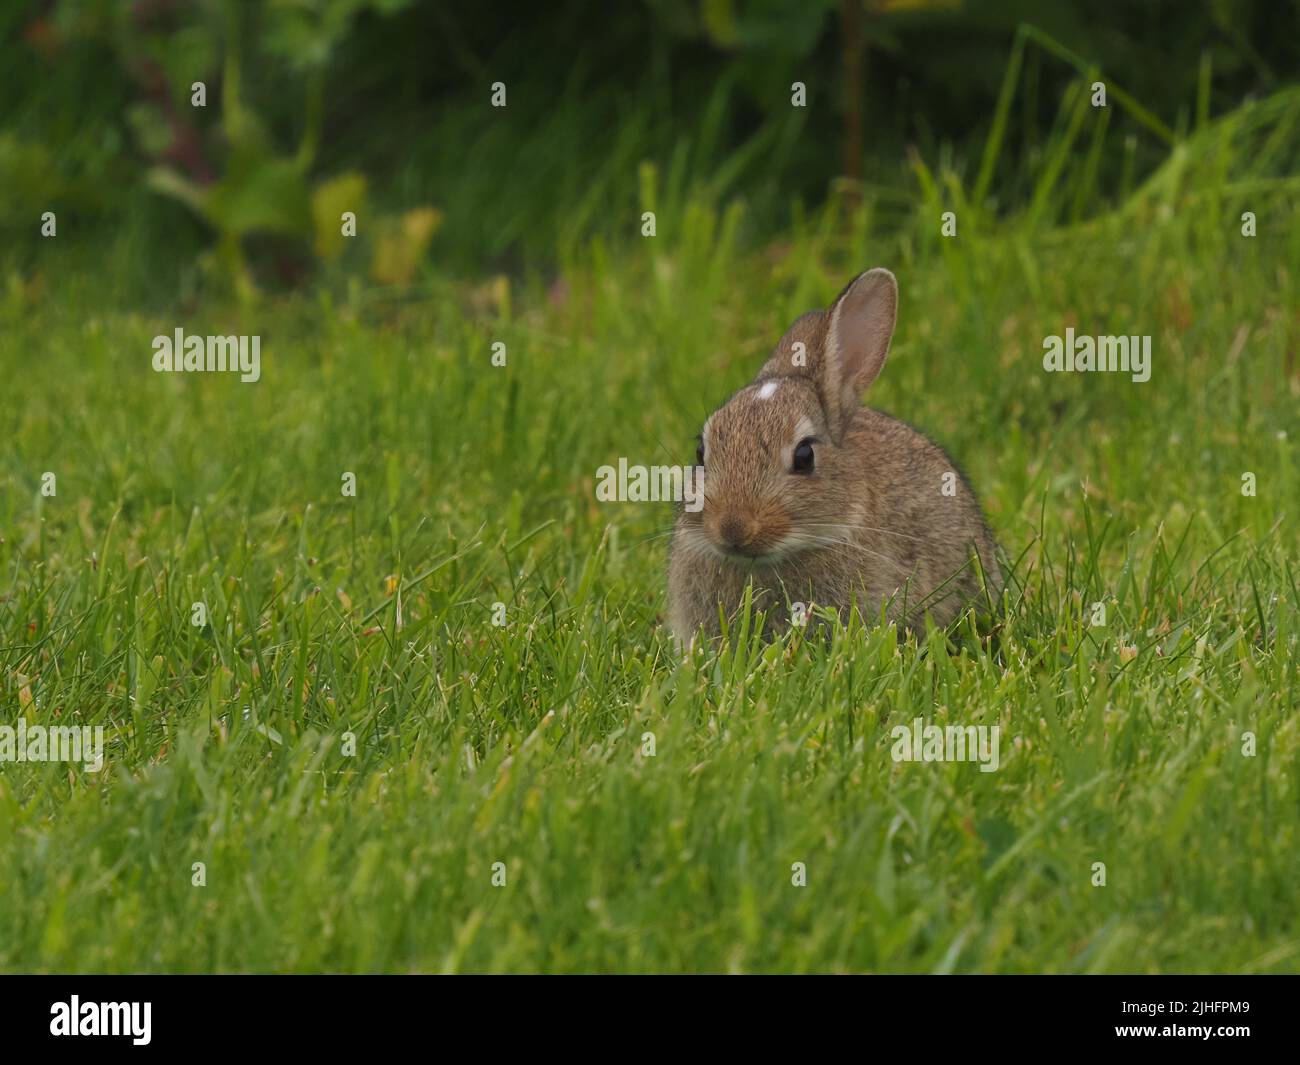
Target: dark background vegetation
1160	740
97	121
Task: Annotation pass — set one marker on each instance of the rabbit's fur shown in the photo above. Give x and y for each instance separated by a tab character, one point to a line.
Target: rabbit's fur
870	523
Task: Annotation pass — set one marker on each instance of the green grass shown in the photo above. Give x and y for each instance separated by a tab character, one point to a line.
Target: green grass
475	744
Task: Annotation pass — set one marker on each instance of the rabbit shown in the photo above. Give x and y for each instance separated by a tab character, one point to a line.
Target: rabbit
821	501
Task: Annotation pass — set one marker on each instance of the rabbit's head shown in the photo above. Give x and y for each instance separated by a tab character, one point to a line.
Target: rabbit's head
776	480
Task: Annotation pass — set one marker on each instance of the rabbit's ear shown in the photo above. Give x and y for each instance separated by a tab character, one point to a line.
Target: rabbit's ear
798	352
857	336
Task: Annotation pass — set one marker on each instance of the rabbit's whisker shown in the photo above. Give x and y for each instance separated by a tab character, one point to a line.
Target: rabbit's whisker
832	542
869	528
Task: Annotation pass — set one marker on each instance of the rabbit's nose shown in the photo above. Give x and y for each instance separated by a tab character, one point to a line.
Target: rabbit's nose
734	533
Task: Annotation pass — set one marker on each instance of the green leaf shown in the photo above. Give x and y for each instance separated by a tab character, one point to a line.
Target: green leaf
261	194
168	182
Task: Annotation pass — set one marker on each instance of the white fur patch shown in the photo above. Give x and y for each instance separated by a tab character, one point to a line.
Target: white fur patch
768	389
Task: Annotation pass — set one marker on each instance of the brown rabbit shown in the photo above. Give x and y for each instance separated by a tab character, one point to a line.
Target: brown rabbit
821	501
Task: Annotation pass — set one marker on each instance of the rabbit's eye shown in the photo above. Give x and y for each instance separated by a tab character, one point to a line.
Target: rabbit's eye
699	453
803	456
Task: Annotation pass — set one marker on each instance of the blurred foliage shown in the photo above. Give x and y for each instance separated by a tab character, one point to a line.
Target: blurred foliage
381	107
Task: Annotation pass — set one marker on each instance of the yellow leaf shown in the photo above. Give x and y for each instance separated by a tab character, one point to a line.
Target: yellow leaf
329	201
399	248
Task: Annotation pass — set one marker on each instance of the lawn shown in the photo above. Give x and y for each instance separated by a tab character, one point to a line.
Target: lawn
347	766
